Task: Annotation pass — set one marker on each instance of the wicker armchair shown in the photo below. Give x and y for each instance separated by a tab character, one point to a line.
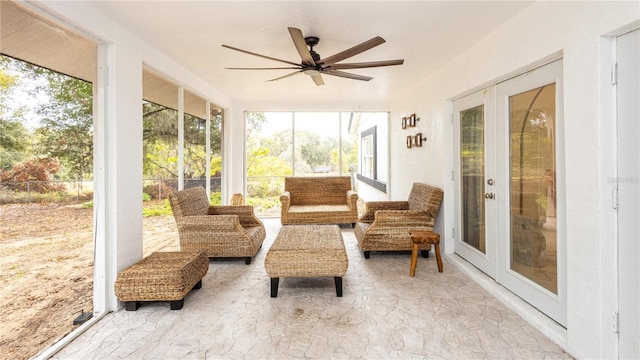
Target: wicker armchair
219	231
385	225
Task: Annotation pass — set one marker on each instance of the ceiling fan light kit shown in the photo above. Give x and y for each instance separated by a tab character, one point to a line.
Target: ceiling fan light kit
313	65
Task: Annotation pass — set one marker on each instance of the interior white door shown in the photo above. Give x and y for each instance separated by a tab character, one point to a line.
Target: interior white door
531	246
628	108
475	216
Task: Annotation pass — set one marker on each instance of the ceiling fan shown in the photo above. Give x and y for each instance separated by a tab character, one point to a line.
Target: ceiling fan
313	65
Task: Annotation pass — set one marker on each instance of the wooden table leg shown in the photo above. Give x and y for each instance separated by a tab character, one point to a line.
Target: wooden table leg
414	260
438	258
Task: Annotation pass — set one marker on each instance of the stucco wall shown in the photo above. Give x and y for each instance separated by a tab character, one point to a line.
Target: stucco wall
576	32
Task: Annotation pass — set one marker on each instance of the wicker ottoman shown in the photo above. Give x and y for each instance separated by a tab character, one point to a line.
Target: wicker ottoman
162	276
307	251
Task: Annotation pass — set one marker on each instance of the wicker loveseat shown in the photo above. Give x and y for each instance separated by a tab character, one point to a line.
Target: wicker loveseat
219	231
385	225
318	200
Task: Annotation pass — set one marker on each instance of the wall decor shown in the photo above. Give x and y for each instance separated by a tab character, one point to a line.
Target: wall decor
409	141
418	139
412	119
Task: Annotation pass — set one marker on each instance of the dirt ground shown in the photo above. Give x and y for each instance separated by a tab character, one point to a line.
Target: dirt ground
46	271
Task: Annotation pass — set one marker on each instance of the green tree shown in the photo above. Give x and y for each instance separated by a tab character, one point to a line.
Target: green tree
13	135
256	145
316	151
160	141
349	154
13	143
66	131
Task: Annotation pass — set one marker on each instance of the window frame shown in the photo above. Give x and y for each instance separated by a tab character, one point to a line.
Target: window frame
370	180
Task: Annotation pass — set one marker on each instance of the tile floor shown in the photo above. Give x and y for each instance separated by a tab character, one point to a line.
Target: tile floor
383	313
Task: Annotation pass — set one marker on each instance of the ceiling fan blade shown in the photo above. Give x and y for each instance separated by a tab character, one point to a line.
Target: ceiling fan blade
301	46
286	76
367	64
317	79
269	68
262	56
352	51
347	75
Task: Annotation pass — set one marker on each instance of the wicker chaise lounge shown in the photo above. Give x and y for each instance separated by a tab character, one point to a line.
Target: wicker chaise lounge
219	231
385	225
318	200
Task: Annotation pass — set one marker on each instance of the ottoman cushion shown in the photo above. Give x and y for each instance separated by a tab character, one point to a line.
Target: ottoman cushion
307	251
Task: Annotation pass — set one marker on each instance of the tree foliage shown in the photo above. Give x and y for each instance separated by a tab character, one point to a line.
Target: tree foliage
160	141
13	135
34	174
316	151
13	143
66	129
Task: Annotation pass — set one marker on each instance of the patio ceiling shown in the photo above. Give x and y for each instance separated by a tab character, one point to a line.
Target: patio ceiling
426	34
29	37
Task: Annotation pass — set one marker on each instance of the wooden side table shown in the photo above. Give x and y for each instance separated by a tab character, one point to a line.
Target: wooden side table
423	237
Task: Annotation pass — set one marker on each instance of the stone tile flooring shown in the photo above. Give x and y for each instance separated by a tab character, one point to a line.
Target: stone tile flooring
383	313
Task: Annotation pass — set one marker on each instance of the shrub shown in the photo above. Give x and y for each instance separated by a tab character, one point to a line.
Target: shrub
158	190
163	209
32	175
265	207
215	198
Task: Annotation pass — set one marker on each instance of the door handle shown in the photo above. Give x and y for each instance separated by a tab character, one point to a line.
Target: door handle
489	195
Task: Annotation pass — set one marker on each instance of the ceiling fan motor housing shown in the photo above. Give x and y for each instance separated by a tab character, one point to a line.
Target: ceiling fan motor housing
311	42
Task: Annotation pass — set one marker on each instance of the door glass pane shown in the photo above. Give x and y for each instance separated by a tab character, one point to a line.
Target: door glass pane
472	162
533	188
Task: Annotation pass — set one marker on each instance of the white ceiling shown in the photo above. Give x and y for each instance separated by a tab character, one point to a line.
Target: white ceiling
427	34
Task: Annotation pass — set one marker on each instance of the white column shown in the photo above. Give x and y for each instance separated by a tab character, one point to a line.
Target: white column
207	112
180	138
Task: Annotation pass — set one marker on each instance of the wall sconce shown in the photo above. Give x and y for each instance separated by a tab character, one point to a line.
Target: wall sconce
418	139
409	141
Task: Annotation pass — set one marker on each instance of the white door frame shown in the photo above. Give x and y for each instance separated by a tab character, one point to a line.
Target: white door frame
628	177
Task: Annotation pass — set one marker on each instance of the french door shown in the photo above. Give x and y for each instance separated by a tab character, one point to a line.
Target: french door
474	121
508	186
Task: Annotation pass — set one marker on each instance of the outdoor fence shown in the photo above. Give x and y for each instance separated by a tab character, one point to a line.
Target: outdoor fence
81	191
263	192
